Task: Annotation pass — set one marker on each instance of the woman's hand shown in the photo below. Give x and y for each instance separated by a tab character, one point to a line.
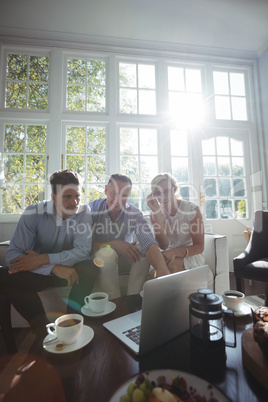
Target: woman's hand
169	256
153	203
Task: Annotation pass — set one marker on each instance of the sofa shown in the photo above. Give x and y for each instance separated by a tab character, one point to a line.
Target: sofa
54	299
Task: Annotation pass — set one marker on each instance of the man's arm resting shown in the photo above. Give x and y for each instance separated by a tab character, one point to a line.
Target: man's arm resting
122	248
156	259
67	273
28	262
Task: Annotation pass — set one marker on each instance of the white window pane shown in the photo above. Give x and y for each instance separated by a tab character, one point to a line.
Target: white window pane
236	147
239	187
130	167
129	141
147	102
194	107
176	103
222	107
238	166
128	101
239	109
226	209
240	209
209	166
146	76
221	86
208	147
134	198
148	168
128	75
210	187
211	209
76	98
148	142
224	166
178	143
176	79
180	169
94	191
224	187
96	99
193	80
222	146
237	84
96	169
96	138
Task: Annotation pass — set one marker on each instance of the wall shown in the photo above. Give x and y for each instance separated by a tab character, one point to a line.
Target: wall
6	230
263	95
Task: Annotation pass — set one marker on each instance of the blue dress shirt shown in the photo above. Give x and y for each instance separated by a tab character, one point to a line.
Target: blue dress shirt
65	241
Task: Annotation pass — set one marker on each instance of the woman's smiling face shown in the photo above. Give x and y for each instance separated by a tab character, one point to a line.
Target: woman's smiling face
164	191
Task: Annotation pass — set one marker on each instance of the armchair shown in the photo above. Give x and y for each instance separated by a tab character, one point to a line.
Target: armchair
253	262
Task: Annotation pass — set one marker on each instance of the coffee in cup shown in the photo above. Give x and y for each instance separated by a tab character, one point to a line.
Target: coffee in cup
233	299
96	301
67	328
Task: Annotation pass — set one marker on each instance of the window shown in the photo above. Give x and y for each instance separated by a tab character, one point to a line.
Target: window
137	88
224	178
86	83
27	82
129	113
24	166
185	95
139	161
179	160
86	154
230	96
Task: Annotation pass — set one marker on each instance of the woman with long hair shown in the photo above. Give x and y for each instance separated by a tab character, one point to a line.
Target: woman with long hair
177	223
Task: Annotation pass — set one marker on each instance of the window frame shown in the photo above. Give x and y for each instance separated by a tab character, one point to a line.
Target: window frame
56	117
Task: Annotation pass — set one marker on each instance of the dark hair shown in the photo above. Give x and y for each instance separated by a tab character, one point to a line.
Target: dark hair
63	178
120	177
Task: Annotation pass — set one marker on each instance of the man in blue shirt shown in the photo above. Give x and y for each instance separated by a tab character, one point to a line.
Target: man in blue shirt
50	239
117	226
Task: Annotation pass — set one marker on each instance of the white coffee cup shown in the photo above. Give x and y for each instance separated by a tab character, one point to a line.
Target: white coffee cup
233	299
96	301
67	328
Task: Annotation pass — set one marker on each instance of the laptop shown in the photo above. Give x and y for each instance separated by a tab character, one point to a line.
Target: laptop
165	311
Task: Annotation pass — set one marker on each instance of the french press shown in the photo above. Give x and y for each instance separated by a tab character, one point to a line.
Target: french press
207	328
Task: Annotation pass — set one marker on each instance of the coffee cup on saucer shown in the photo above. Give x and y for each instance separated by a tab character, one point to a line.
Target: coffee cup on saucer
67	328
96	301
233	299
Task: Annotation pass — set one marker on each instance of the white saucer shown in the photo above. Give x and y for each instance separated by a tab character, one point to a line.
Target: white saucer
110	306
245	310
86	336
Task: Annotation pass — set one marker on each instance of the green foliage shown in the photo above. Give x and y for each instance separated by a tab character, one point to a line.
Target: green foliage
24	166
241	208
27	82
86	85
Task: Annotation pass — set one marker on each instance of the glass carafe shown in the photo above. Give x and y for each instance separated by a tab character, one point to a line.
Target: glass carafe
207	328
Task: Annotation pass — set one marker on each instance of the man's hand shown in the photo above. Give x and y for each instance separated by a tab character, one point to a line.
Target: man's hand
67	273
127	249
28	262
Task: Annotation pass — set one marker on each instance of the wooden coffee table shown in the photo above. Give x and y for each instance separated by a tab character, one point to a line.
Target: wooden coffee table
95	372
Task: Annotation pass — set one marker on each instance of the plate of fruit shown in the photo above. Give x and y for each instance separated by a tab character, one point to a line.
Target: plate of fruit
167	386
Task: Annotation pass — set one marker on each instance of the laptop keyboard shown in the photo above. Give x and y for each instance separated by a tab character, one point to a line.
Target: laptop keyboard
134	334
